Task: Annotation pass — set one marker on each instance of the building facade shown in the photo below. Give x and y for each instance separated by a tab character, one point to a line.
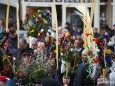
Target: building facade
104	10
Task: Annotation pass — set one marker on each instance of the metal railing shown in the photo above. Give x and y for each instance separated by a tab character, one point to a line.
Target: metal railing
67	1
39	0
77	1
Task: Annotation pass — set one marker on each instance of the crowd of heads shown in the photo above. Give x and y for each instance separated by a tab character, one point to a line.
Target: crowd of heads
38	46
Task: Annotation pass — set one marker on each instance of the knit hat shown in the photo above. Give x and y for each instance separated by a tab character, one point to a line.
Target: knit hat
50	82
3	79
11	83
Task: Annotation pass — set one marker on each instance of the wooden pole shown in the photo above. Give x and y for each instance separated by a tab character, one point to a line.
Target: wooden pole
56	37
18	25
7	14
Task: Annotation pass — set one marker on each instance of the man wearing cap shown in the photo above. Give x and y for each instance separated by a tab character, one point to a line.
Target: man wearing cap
20	51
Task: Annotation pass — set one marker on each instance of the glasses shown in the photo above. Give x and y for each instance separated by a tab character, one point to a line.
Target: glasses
113	56
21	46
34	45
41	47
84	55
77	43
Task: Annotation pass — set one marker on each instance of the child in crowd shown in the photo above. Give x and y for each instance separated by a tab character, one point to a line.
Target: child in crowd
66	80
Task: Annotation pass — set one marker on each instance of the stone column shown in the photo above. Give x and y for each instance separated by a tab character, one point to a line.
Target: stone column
23	9
113	12
109	13
97	15
53	15
63	15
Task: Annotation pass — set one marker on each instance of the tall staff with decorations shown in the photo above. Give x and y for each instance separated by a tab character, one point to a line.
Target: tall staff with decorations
90	41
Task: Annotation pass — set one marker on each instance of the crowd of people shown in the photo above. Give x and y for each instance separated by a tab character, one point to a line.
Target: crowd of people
24	56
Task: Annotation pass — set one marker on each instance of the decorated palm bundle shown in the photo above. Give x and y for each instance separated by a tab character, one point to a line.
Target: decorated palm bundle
6	59
37	23
101	51
68	53
66	48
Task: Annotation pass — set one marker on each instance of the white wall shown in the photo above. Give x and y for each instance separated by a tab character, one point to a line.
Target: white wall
13	3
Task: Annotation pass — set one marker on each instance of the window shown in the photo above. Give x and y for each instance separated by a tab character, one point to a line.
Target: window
39	0
73	18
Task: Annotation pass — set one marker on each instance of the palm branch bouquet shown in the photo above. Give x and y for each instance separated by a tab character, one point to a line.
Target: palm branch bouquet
35	71
67	52
7	60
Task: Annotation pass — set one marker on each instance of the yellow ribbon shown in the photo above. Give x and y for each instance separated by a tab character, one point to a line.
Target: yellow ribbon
104	74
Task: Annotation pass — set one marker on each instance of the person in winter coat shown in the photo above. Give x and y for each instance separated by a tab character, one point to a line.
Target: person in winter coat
23	48
81	78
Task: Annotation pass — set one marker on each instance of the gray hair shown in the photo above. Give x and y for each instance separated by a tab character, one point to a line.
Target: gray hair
22	40
65	31
34	40
95	28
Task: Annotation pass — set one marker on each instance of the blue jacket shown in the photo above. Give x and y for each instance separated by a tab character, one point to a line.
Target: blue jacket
11	83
